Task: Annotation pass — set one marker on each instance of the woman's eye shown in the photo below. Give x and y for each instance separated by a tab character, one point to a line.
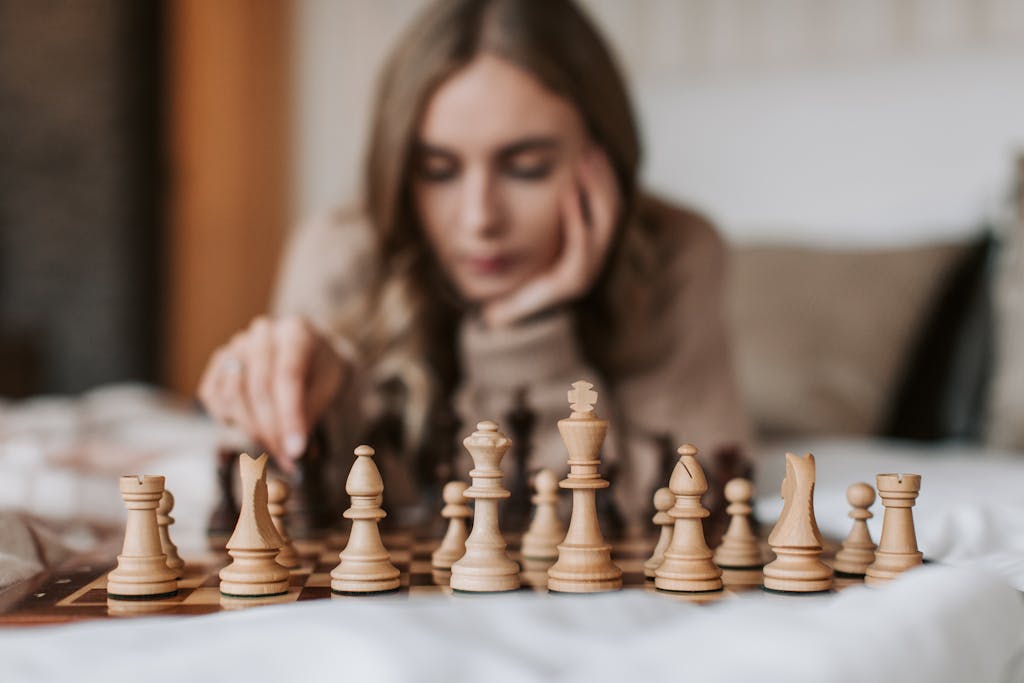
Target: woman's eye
436	170
529	171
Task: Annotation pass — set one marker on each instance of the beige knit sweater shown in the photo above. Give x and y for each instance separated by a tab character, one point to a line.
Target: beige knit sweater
687	394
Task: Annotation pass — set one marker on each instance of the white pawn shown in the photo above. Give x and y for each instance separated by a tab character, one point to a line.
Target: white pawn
540	542
456	510
142	571
858	550
740	548
365	565
164	521
277	496
663	502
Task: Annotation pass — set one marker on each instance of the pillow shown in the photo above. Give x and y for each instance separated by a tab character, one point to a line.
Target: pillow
821	336
1005	427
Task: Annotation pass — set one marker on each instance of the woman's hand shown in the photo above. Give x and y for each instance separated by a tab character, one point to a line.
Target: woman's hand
274	380
590	210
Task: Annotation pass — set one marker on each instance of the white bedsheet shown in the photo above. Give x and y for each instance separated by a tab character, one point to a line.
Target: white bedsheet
934	624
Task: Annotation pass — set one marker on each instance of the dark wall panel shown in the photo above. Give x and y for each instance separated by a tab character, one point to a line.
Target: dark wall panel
79	192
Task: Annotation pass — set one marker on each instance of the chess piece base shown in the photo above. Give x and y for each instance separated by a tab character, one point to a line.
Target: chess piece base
853	561
581	586
141	598
797	571
687	585
888	565
687	574
137	578
540	549
254	573
359	593
469	579
365	577
738	558
582	569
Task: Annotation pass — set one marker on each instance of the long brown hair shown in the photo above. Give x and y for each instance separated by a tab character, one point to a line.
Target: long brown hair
404	328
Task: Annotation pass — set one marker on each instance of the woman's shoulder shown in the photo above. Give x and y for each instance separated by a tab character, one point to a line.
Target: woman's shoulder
682	231
327	257
342	229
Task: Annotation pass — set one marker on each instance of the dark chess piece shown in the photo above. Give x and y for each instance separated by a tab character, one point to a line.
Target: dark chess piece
387	436
225	514
435	460
310	509
521	420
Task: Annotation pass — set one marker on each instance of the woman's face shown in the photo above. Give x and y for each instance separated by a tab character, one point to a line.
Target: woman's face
496	152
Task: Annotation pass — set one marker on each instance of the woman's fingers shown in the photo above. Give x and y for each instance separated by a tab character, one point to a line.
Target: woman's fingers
259	364
601	189
292	359
273	380
326	380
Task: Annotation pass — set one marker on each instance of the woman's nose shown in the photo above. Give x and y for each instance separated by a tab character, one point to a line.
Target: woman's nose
480	215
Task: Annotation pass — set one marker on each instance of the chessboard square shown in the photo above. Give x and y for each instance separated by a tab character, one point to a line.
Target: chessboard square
93	596
204	595
310	592
318	580
425	547
421	567
403	556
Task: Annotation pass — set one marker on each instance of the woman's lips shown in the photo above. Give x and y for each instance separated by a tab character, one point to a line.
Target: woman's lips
488	265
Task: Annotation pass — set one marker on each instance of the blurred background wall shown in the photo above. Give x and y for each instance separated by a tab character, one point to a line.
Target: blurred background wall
80	176
155	154
829	121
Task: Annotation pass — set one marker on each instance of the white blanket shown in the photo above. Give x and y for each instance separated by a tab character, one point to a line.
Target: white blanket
934	624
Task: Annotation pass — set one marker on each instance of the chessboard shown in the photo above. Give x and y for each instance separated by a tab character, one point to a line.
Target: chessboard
77	590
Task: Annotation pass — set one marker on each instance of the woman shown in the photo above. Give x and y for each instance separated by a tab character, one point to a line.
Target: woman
502	247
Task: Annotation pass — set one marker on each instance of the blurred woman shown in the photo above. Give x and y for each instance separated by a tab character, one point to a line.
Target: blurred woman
502	247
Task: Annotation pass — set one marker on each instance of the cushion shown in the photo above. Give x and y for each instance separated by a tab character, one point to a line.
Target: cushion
821	335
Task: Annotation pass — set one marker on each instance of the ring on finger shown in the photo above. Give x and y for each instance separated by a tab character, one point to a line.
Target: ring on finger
232	365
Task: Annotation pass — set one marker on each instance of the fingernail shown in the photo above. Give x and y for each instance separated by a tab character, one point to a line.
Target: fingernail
294	444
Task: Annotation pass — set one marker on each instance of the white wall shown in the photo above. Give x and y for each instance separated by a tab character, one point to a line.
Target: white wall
848	122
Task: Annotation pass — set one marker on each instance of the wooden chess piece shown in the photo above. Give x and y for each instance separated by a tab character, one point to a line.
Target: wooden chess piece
521	420
795	540
486	567
142	572
365	565
164	521
663	502
740	548
584	558
897	548
540	542
858	550
277	500
687	565
225	514
312	509
255	543
456	510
